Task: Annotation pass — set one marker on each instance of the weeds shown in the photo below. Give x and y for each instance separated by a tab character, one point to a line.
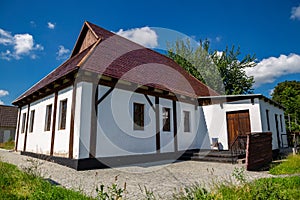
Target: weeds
149	194
239	175
33	168
113	192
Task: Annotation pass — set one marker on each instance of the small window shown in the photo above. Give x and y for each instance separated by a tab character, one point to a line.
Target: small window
186	115
63	114
268	120
31	122
48	117
166	119
281	126
23	123
138	116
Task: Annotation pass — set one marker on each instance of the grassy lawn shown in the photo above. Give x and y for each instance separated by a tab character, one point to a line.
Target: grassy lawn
8	145
265	188
16	184
290	166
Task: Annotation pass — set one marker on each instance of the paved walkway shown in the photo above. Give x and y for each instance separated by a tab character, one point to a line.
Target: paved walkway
162	178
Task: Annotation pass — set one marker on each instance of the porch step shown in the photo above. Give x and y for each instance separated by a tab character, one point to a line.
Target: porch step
211	156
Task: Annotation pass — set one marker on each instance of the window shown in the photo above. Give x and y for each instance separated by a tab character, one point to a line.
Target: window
48	117
186	118
138	116
166	119
281	126
268	120
23	123
31	122
63	114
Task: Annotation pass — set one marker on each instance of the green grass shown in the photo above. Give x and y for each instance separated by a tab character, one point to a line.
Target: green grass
265	188
8	145
16	184
290	166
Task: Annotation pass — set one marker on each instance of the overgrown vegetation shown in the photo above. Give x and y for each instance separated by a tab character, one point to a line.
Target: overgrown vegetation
16	184
265	188
290	166
9	145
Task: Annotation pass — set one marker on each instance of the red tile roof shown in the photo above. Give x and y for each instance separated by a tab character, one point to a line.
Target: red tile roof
8	116
120	58
64	69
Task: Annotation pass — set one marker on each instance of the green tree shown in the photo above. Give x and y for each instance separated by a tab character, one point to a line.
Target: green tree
287	93
222	71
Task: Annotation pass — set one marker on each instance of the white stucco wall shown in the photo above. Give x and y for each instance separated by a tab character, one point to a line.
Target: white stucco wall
61	139
272	111
166	137
39	140
115	133
188	140
82	120
215	117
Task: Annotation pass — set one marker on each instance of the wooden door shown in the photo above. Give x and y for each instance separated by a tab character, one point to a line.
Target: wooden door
238	123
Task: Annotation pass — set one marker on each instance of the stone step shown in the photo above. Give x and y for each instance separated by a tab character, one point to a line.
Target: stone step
214	159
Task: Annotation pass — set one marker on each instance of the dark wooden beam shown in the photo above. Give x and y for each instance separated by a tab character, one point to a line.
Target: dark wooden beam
71	140
157	124
26	128
175	126
18	129
93	131
53	123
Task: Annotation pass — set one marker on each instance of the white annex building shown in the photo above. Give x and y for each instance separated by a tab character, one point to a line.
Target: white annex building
114	102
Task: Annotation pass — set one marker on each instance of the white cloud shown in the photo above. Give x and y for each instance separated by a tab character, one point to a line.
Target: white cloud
295	13
218	39
144	36
22	44
2	94
267	70
5	37
51	25
62	52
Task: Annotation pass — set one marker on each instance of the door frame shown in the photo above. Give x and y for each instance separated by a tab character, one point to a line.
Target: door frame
236	111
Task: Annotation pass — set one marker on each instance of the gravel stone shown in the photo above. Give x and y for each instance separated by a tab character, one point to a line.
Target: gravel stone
162	178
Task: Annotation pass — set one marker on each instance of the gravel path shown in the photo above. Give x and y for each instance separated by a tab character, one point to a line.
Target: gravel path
162	178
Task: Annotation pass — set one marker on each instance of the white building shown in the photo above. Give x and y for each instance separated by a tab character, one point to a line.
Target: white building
115	102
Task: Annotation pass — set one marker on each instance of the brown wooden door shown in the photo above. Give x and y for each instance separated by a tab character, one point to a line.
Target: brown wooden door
238	123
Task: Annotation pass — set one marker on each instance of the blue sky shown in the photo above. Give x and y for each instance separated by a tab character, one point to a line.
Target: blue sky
37	36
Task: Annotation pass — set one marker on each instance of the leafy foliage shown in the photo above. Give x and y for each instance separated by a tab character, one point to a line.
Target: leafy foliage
288	94
222	71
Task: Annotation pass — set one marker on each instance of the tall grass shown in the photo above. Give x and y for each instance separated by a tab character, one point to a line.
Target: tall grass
290	166
16	184
9	145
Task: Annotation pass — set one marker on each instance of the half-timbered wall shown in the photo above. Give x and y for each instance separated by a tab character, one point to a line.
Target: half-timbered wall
272	123
39	140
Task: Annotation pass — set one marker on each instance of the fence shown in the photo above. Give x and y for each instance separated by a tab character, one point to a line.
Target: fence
259	150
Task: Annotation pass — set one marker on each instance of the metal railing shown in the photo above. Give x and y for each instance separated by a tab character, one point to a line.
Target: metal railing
238	147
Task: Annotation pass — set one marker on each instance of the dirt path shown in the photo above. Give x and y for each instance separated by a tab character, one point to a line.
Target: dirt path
162	178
